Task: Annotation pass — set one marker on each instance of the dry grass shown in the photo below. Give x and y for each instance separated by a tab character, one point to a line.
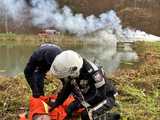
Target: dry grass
15	93
62	40
12	91
138	88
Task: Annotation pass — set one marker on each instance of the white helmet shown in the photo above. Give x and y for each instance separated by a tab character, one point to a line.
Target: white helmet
68	63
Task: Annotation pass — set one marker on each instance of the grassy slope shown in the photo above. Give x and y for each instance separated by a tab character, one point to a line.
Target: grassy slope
15	92
138	88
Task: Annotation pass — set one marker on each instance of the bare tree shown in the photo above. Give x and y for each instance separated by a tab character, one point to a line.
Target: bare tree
4	17
6	21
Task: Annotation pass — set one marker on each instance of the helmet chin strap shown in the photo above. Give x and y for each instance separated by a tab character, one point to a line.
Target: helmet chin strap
81	98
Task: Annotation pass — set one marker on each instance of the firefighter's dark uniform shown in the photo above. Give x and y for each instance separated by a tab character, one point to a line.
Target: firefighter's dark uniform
91	81
38	65
92	84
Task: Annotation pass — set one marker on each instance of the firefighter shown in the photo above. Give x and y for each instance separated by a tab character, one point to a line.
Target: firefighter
80	77
38	65
84	79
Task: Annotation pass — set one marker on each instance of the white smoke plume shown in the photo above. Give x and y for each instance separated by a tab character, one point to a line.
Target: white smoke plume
137	35
14	8
47	14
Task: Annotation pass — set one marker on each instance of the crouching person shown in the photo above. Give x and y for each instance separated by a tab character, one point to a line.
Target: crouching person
83	79
38	65
80	77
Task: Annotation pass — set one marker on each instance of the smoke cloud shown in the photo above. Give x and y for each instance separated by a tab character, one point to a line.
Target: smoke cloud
47	14
14	8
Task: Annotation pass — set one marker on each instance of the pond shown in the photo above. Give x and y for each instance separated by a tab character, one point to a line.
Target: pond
14	57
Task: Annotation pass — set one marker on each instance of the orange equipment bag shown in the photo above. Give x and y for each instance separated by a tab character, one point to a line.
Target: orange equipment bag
39	106
22	117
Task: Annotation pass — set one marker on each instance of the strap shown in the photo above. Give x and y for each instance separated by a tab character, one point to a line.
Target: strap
85	104
99	84
99	105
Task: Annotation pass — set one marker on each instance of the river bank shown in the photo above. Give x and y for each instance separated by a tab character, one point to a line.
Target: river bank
62	40
138	87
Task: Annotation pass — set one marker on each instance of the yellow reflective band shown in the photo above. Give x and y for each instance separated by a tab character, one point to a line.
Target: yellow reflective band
45	106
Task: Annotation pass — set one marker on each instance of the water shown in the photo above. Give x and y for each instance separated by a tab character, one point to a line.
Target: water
14	58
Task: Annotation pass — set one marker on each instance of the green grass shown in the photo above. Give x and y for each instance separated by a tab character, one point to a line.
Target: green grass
138	88
137	105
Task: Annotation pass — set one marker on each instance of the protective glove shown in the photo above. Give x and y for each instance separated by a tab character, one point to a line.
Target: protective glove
69	112
73	106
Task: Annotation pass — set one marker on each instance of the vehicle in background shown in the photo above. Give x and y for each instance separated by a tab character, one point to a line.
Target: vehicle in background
48	33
